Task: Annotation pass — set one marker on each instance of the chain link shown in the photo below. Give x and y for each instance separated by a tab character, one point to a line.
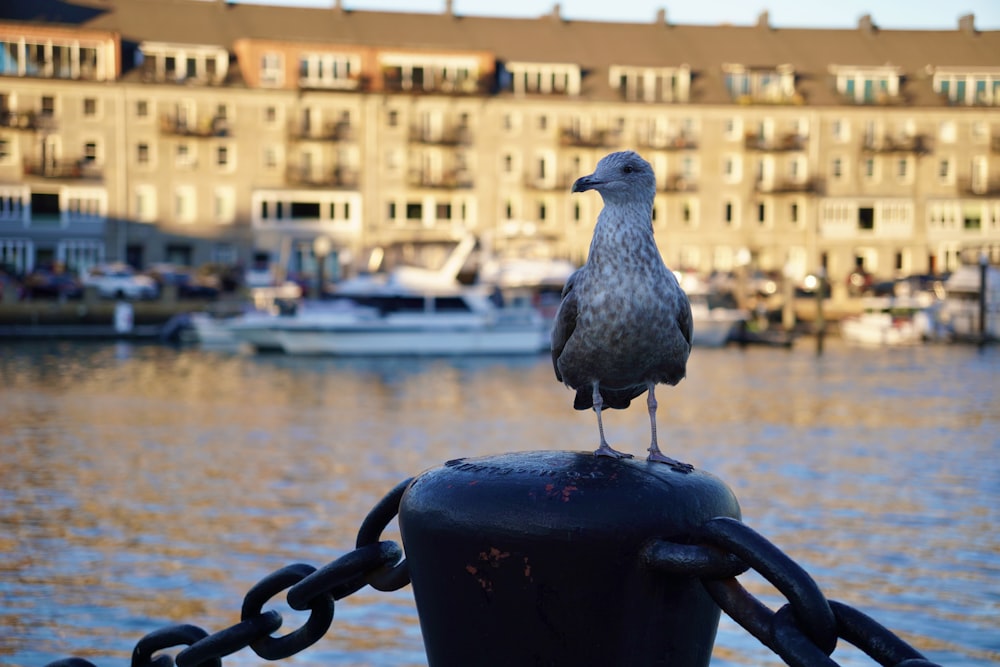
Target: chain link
803	633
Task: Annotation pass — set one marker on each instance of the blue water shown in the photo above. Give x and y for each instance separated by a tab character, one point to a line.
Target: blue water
143	486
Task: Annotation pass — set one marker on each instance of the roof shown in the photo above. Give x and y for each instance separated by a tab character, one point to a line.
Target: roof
595	46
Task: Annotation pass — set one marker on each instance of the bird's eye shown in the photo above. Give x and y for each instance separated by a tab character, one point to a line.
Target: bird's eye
628	169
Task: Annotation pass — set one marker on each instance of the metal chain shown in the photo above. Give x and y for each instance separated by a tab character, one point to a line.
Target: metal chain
372	562
805	631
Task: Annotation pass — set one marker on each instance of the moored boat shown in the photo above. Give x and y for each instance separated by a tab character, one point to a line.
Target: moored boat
893	320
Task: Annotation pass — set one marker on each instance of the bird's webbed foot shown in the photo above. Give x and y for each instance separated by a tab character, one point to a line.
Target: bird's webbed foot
606	450
674	464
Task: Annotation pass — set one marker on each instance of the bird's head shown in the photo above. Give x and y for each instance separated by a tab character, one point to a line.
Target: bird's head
620	176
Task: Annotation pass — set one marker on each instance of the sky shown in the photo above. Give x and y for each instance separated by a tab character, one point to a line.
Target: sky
932	14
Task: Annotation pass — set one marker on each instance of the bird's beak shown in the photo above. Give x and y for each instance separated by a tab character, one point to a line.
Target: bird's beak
585	183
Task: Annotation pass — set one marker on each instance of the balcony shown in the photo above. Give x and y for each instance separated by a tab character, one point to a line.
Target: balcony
339	131
978	187
338	178
393	82
676	184
458	179
569	136
677	142
458	135
180	127
65	170
786	142
917	144
786	186
25	120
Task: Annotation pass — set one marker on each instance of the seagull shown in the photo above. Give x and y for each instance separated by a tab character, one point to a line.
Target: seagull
624	323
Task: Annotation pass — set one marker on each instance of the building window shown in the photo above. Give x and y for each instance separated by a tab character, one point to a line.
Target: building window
870	168
793	213
414	211
222	156
543	122
947	131
185	156
184	204
866	218
728	213
272	69
837	168
89	107
734	128
944	170
732	169
270	115
145	203
761	213
270	157
142	109
392	118
972	218
142	153
224	205
48	106
903	169
4	150
841	130
90	152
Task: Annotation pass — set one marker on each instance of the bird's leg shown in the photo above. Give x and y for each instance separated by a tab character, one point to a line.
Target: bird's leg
605	449
654	450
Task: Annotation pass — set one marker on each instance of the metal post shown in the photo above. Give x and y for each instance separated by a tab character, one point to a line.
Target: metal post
984	265
533	559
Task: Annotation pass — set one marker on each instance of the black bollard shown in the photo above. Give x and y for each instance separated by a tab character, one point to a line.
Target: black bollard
533	559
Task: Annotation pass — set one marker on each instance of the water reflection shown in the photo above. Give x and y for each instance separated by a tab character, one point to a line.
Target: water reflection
144	486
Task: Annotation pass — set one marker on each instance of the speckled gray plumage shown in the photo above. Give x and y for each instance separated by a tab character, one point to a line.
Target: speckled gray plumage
624	322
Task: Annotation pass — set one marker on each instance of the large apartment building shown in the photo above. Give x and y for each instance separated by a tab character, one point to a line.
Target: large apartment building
196	131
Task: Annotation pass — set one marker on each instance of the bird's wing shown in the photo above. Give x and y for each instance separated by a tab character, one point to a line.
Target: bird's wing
685	322
565	321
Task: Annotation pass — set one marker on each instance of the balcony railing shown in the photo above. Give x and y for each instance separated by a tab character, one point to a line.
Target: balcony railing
179	127
918	144
80	169
338	131
393	83
569	136
338	177
458	135
786	142
978	187
810	186
25	120
677	142
677	183
459	179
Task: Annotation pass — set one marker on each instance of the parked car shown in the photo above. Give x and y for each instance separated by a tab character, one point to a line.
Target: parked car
188	284
49	284
119	281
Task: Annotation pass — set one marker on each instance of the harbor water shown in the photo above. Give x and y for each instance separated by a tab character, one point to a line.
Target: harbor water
143	486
